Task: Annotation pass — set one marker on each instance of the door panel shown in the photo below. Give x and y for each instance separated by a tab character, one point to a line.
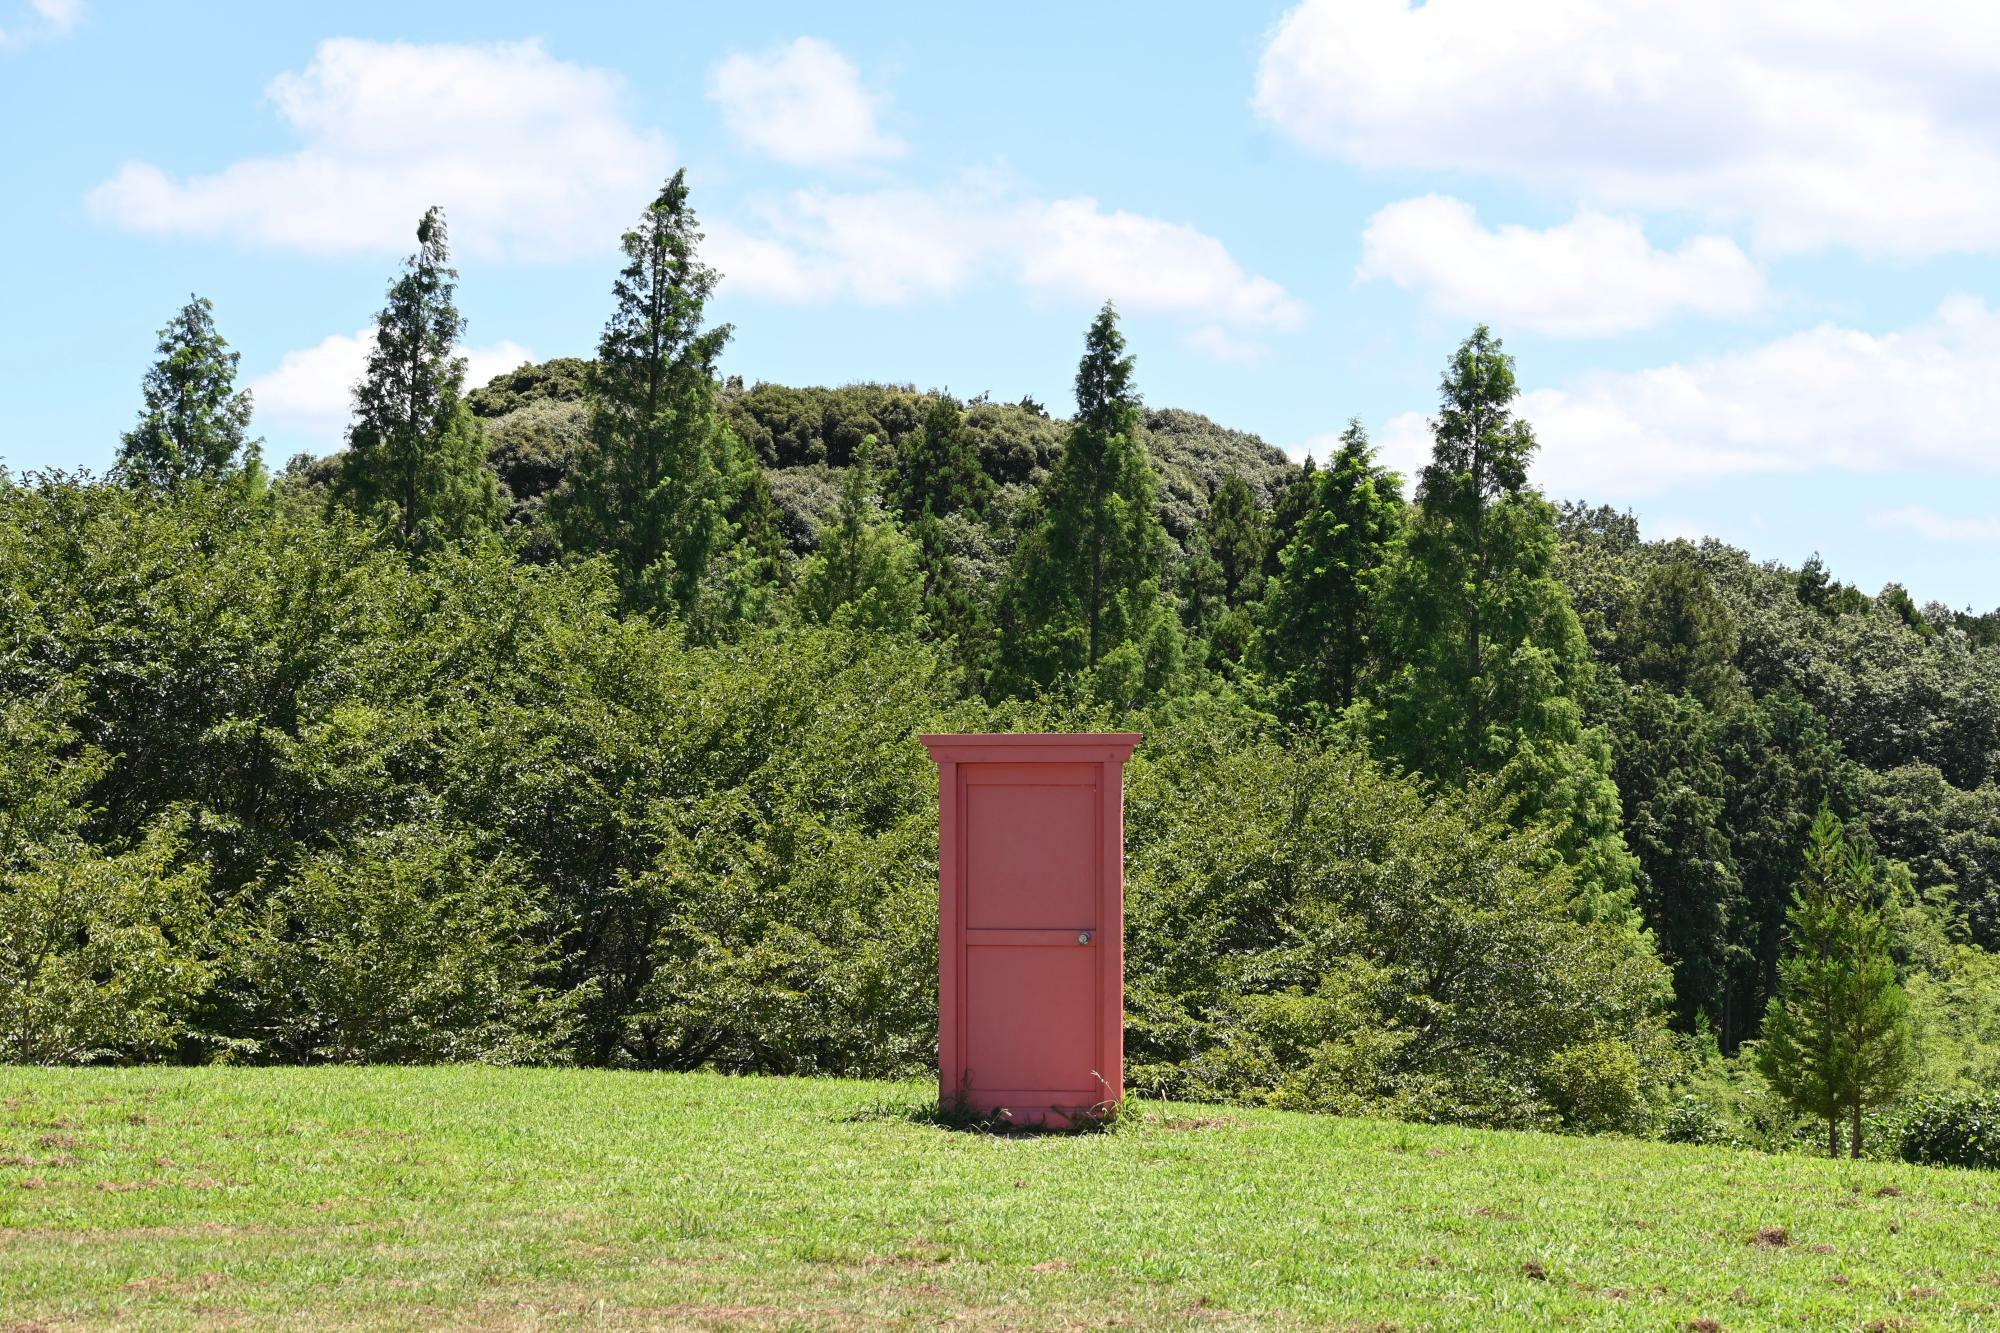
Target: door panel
1031	847
1031	907
1033	1012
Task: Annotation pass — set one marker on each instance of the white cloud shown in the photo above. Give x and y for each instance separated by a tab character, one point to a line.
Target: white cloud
1220	344
880	247
802	104
1073	247
310	393
1319	448
1815	123
1591	276
45	19
1938	527
1827	398
531	157
900	245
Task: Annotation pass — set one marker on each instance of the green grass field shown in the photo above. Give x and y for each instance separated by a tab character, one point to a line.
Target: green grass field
523	1198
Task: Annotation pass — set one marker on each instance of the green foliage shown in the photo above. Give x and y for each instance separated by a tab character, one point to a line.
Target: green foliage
196	422
1675	790
1953	1130
1306	930
1597	1085
1086	577
532	451
1234	532
866	572
952	605
416	457
1838	1038
1954	993
1949	837
1493	666
562	379
407	946
1195	457
653	490
937	470
1683	640
101	955
1321	613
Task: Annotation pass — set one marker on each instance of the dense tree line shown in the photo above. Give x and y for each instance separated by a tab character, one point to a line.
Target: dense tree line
572	718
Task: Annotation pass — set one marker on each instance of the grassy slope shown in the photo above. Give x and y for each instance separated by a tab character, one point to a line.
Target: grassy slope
446	1197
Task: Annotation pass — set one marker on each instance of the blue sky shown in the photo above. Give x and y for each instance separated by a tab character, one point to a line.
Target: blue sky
1745	254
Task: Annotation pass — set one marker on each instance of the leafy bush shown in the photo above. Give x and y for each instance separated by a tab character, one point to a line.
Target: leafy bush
1596	1085
1307	930
1952	1129
101	956
1690	1119
409	946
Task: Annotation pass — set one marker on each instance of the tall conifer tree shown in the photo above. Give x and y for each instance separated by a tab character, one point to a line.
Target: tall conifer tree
1491	661
195	424
661	472
1320	613
1837	1040
1085	578
416	457
939	472
1234	533
866	573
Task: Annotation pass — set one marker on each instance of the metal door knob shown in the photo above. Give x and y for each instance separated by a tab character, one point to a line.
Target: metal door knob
1083	937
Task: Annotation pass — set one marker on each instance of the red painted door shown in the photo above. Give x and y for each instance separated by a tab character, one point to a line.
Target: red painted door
1031	992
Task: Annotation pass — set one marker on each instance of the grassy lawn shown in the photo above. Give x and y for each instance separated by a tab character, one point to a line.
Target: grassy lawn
452	1197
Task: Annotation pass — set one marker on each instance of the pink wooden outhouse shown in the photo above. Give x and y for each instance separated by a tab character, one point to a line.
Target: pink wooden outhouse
1031	922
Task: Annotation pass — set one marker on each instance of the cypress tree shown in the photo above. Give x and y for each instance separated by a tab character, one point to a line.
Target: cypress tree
1085	577
416	457
1491	663
195	423
660	473
1320	613
865	573
951	607
1837	1039
939	472
1234	534
1286	511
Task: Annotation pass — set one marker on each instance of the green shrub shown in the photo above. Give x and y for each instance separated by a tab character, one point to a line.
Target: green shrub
1952	1129
408	946
1306	929
1595	1085
1690	1119
101	956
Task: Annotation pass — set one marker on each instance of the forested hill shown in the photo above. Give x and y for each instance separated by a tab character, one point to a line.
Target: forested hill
535	418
